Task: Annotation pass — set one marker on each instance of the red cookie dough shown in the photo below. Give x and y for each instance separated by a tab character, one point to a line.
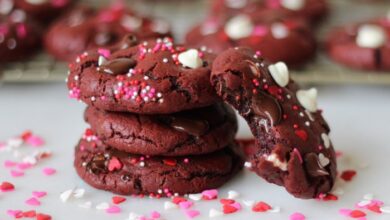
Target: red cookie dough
293	148
364	45
274	33
84	28
192	132
122	173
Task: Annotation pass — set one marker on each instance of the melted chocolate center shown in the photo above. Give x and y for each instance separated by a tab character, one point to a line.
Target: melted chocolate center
193	127
313	166
98	164
266	106
118	66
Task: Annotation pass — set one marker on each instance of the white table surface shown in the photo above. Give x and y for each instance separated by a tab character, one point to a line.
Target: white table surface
359	117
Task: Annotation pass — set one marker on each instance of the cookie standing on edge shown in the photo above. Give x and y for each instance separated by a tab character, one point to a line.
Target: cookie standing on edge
192	132
275	33
363	46
123	173
20	36
153	77
83	28
293	147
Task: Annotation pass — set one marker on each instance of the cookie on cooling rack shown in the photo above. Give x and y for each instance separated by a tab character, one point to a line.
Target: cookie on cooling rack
83	28
292	145
364	45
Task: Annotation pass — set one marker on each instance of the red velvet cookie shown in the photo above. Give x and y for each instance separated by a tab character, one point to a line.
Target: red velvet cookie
192	132
44	10
363	46
20	35
155	77
83	28
311	10
122	173
272	32
293	147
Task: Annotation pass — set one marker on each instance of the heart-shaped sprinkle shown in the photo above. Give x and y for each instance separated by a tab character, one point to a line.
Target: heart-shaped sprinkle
113	210
186	205
293	4
238	27
9	164
178	200
114	164
6	186
155	215
49	171
170	205
24	166
227	201
261	207
326	140
210	194
118	200
170	162
16	173
38	194
348	175
35	141
324	161
236	205
229	209
371	36
301	134
192	213
33	202
233	194
190	59
30	214
308	99
357	214
195	197
213	213
297	216
41	216
280	74
79	193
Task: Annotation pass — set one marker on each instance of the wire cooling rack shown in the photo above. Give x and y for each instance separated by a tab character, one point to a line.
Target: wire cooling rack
183	14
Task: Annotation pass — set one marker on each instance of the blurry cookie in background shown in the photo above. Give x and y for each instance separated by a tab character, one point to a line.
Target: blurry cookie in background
20	35
44	10
364	45
311	10
84	28
274	33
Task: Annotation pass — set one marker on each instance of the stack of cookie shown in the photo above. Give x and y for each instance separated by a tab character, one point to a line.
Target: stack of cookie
157	126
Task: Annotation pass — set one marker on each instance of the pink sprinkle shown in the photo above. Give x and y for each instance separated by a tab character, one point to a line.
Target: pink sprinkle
236	205
24	166
345	212
38	194
260	30
155	215
16	173
104	52
49	171
186	205
33	202
192	213
210	194
297	216
113	210
35	141
14	213
9	164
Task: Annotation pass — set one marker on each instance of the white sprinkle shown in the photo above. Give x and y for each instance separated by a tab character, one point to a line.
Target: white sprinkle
79	193
326	140
146	77
142	164
233	194
102	206
65	196
195	197
307	123
324	161
248	164
165	60
93	98
170	205
385	209
213	213
159	191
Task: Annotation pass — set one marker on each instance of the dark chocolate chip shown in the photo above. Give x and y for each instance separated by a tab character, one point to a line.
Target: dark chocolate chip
125	178
193	127
98	164
313	166
117	66
266	106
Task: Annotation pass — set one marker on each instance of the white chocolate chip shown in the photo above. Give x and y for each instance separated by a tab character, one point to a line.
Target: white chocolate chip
170	205
6	6
326	140
239	27
279	72
190	58
371	36
324	161
274	159
213	213
308	99
293	4
279	30
236	3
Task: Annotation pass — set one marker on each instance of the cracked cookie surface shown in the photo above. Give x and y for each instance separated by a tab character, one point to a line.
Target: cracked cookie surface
153	77
191	132
292	148
122	173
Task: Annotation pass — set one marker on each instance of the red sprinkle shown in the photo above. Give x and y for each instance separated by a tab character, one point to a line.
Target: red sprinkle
357	214
301	134
178	200
348	175
261	207
227	201
41	216
170	162
30	214
118	200
6	186
374	208
228	209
